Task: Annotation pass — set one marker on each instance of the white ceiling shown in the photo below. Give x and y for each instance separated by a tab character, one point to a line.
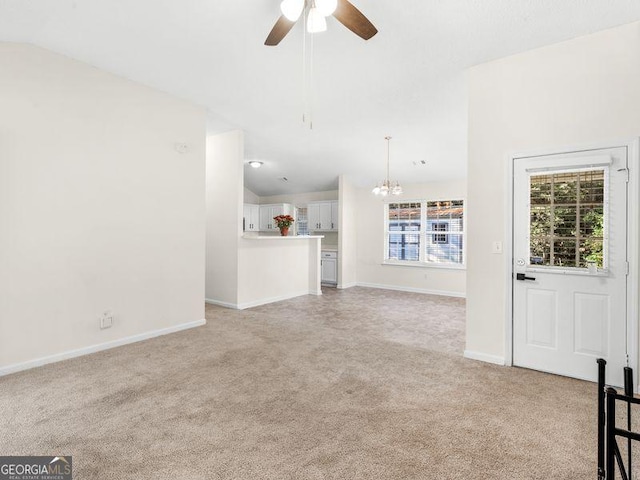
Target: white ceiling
408	81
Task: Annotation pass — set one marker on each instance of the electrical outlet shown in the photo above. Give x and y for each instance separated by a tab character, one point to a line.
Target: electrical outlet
106	320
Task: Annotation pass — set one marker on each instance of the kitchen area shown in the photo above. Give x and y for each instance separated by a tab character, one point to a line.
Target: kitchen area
248	262
312	219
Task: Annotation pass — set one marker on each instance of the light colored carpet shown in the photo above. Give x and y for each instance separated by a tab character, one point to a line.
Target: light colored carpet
356	384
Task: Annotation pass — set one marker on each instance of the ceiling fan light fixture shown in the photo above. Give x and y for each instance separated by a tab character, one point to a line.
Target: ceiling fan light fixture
292	9
327	7
316	22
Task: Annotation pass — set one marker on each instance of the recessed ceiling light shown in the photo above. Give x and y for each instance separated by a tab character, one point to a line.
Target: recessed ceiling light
255	163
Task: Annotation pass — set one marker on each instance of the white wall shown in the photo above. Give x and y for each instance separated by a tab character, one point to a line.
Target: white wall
250	197
300	199
370	244
573	93
348	234
225	192
98	211
277	269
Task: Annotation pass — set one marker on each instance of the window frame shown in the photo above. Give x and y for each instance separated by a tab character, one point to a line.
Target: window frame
561	269
422	262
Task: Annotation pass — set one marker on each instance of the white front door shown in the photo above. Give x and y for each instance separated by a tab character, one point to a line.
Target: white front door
570	263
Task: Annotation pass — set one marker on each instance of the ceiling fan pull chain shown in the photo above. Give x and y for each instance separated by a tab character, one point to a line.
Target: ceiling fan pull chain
304	63
311	85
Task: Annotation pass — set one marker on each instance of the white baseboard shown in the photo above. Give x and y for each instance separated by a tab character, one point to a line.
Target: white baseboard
484	357
211	301
58	357
412	290
264	301
347	285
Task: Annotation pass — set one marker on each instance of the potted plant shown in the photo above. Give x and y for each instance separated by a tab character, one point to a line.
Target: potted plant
283	222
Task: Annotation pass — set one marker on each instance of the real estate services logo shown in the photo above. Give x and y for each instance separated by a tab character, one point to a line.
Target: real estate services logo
36	468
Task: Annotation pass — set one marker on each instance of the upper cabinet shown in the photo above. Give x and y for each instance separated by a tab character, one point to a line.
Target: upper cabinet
251	217
267	212
323	216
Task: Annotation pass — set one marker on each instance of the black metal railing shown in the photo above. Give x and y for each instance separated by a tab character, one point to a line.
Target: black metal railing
609	455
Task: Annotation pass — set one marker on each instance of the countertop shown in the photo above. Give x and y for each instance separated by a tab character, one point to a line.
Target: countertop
279	237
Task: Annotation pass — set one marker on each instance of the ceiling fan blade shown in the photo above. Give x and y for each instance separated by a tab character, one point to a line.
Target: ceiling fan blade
279	31
354	20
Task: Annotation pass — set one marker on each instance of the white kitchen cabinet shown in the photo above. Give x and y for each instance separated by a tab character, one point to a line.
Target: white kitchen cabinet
251	217
266	218
334	216
323	216
313	216
329	270
267	212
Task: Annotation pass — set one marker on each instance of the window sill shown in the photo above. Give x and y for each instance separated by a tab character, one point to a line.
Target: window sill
439	266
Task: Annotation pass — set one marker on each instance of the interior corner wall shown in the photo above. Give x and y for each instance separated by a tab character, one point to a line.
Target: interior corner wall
347	233
371	238
250	197
225	197
98	209
574	93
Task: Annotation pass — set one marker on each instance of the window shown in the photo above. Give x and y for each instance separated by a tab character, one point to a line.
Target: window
415	232
403	227
567	219
302	221
445	216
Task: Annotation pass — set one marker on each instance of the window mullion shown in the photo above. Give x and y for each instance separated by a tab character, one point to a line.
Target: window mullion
423	232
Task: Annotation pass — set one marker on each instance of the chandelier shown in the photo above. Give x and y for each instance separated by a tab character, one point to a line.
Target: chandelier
387	186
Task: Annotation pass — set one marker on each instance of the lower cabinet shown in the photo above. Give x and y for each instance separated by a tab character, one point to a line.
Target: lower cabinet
329	270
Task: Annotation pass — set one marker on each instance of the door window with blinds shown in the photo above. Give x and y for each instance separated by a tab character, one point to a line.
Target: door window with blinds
568	219
425	232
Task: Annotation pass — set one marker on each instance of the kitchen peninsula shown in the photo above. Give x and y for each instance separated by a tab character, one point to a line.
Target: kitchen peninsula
274	268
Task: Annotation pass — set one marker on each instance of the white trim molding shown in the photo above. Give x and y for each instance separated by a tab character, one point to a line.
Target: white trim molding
484	357
58	357
262	301
219	303
413	290
347	285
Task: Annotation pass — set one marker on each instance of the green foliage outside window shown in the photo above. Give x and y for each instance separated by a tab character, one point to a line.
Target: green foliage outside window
567	219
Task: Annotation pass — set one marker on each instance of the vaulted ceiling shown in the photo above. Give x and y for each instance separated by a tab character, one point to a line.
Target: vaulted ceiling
408	81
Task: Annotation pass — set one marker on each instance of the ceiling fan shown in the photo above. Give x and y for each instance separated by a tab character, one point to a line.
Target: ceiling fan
342	10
